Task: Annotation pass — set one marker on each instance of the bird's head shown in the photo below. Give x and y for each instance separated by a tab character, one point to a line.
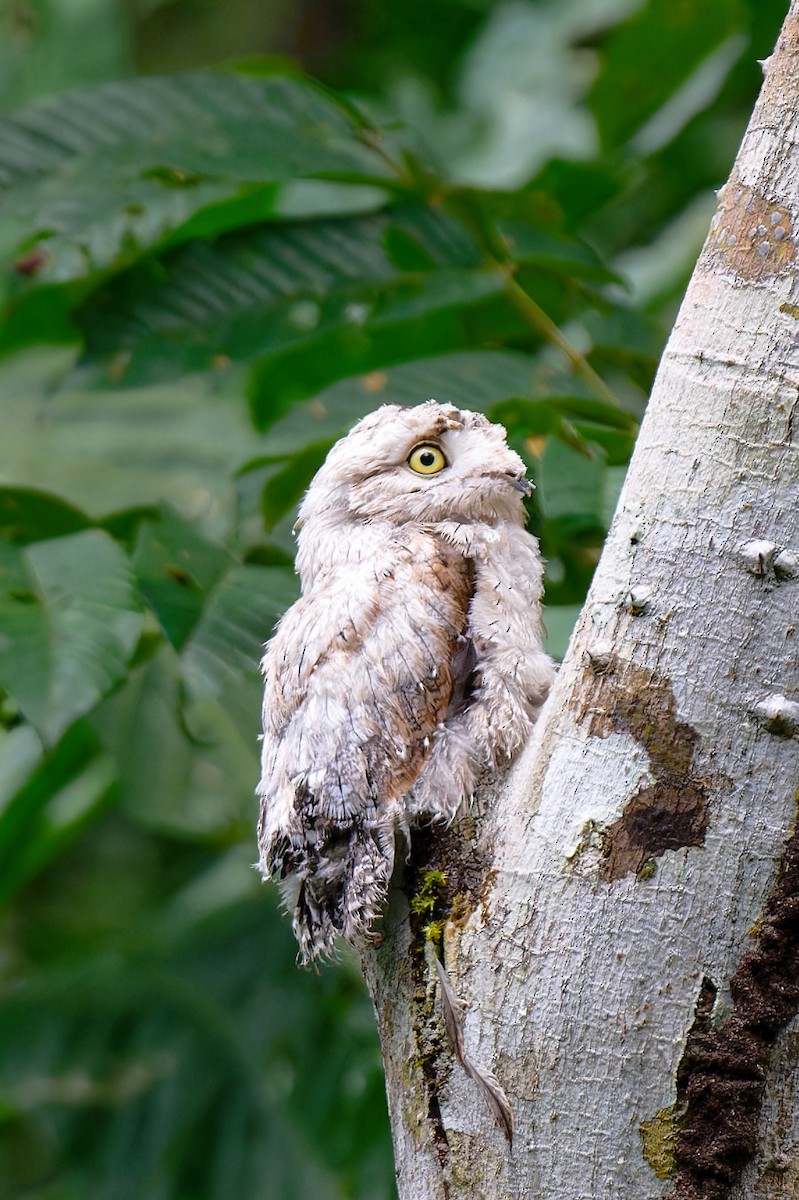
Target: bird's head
420	465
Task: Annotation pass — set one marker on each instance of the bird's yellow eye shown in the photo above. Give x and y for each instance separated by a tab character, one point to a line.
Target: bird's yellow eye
427	459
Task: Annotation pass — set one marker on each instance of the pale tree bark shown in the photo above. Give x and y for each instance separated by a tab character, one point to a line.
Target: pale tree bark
621	916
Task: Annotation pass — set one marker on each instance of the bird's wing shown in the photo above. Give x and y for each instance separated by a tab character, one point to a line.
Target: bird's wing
358	677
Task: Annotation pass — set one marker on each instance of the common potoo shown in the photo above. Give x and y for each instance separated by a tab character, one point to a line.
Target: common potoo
412	661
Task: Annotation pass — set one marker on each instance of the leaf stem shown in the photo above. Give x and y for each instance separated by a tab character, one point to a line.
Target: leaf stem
466	205
538	320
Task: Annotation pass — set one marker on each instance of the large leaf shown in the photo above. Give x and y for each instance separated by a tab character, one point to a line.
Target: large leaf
183	729
46	802
104	452
578	188
69	623
220	660
167	781
28	515
471	379
577	421
312	302
515	388
175	568
649	57
422	316
572	486
309	290
526	243
93	178
285	483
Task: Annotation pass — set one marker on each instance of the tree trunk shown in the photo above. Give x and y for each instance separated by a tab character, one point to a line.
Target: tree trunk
620	916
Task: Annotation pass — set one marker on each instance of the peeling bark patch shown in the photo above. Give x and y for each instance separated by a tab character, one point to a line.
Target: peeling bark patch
749	235
670	812
721	1080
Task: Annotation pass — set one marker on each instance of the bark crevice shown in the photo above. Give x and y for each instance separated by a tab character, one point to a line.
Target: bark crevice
721	1080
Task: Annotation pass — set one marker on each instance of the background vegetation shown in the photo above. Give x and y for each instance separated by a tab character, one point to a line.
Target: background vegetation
206	275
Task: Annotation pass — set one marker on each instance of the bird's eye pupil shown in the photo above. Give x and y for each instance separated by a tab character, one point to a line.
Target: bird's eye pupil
426	460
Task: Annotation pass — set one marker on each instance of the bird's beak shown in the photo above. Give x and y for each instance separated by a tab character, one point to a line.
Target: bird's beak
523	485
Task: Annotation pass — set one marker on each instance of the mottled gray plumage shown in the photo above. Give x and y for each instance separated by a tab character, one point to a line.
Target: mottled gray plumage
411	662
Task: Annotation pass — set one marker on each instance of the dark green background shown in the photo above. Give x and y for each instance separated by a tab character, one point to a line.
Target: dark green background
205	277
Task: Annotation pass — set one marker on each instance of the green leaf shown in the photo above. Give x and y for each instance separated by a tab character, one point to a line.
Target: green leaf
220	660
70	808
69	623
107	453
477	379
276	290
46	802
570	256
569	483
20	753
406	253
175	568
531	416
93	178
649	57
27	515
579	189
164	781
625	336
416	317
285	487
236	298
578	421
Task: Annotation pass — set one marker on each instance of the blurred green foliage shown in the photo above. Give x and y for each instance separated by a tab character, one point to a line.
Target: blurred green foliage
205	278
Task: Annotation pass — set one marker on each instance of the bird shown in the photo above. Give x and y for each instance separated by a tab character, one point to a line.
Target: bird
412	662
